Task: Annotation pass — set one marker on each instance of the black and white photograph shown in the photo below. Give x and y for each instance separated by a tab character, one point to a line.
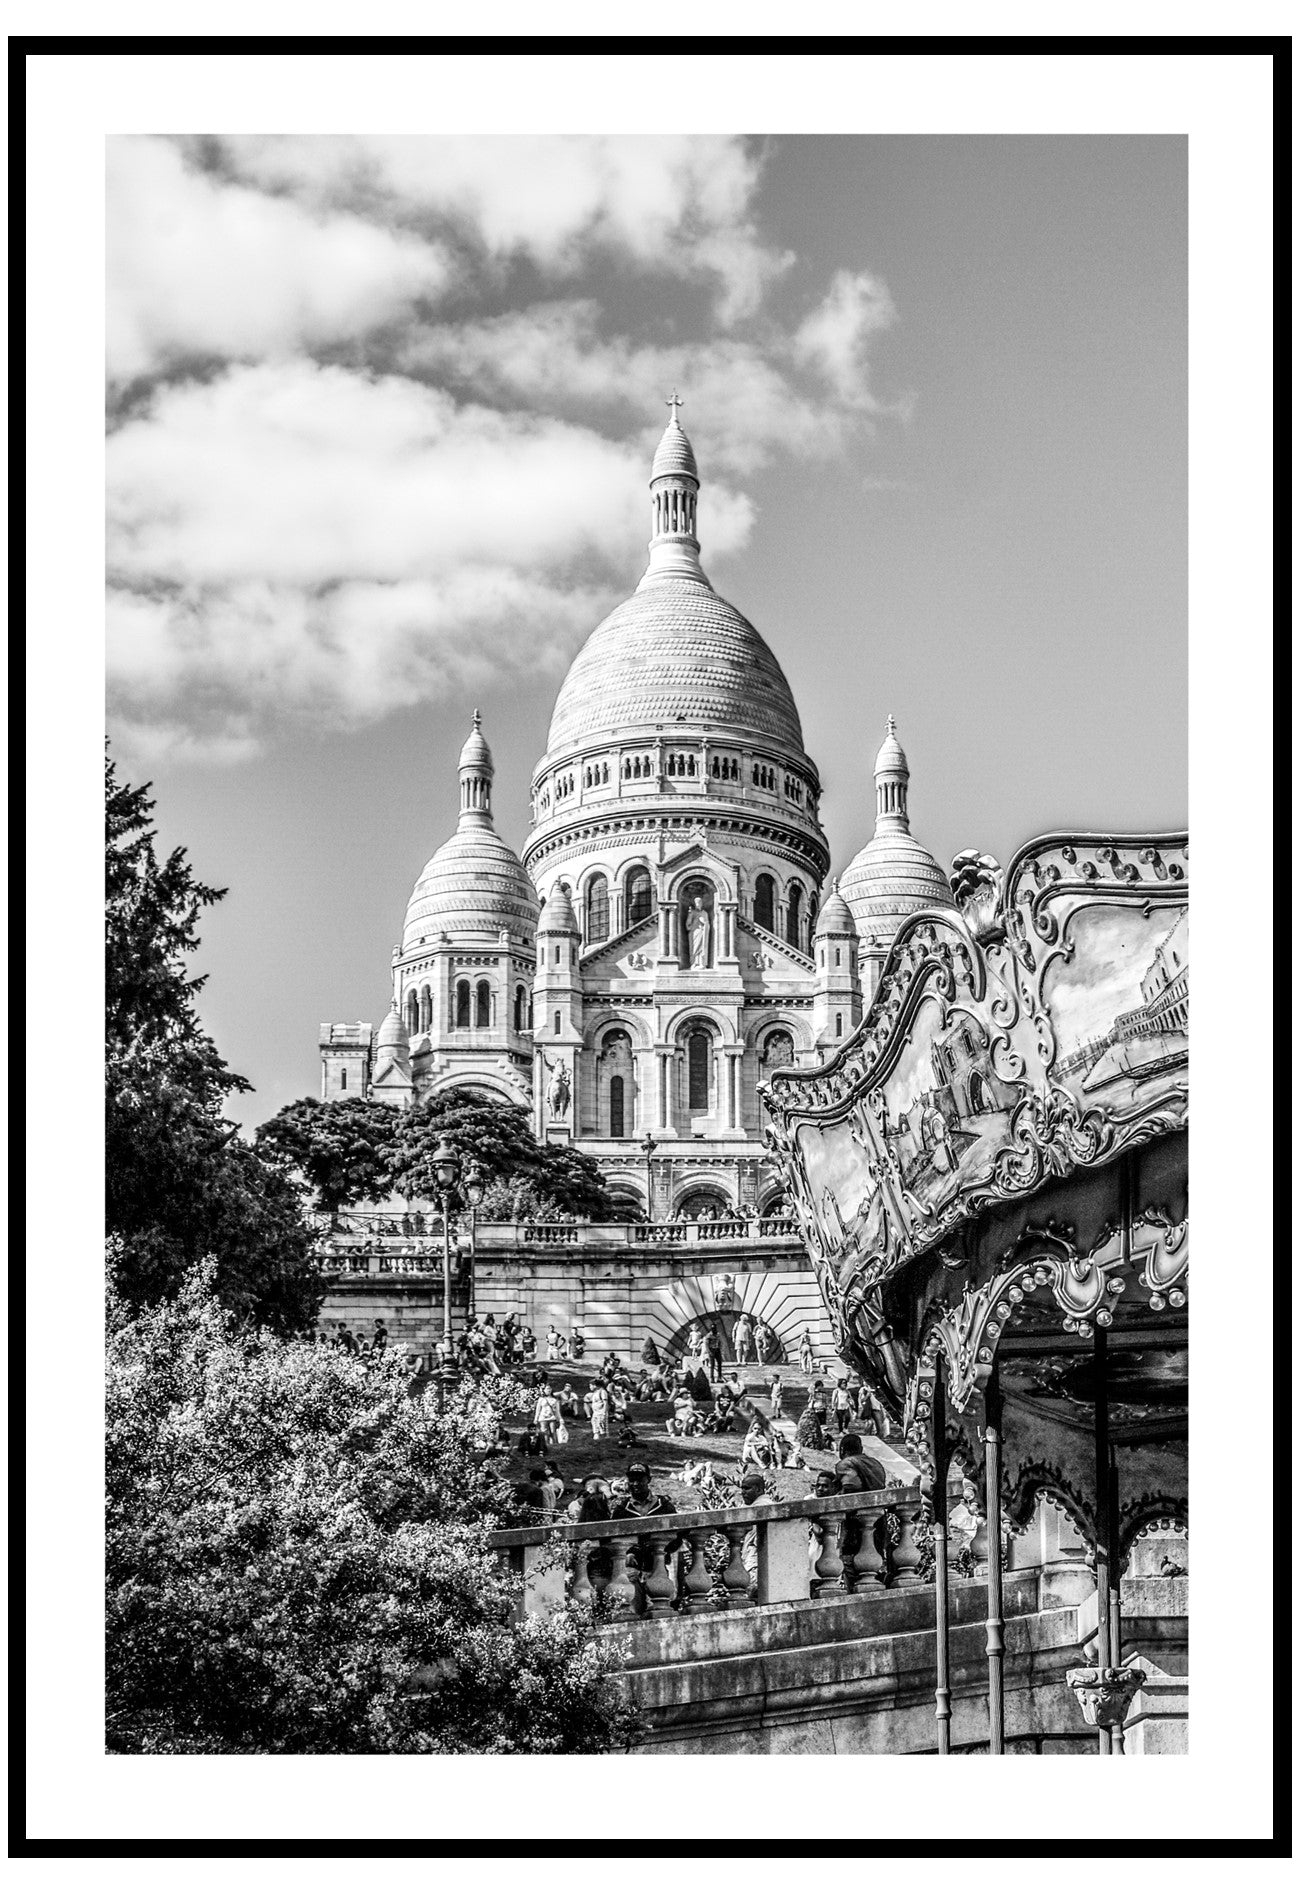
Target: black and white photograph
647	769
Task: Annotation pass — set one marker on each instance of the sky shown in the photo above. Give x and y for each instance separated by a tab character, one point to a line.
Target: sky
380	419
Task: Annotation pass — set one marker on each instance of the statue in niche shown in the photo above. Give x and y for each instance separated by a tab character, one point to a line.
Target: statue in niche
699	932
558	1093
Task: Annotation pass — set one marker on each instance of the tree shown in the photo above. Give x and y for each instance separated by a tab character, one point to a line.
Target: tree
343	1149
297	1558
498	1136
179	1183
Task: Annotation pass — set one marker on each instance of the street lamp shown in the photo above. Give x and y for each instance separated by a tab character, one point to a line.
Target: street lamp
474	1190
446	1169
648	1147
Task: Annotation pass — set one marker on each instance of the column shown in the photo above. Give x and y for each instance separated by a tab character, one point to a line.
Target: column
734	1055
996	1625
942	1676
726	934
1104	1591
665	1090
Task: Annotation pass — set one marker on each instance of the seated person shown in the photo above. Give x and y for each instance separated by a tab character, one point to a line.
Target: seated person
757	1446
532	1444
855	1472
685	1421
640	1498
627	1437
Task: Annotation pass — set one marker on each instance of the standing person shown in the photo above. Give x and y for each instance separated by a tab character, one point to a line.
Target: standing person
552	1344
776	1391
753	1495
597	1409
578	1345
554	1483
743	1337
546	1415
806	1354
714	1354
842	1405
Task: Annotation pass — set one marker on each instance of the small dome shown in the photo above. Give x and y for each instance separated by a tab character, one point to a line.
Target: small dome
890	878
392	1033
476	753
834	916
557	913
675	453
891	759
473	883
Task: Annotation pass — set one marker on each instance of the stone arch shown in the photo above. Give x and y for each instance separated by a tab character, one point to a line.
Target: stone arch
635	881
766	893
675	1025
689	1197
637	1027
499	1088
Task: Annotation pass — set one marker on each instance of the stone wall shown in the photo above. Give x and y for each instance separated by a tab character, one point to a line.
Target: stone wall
619	1297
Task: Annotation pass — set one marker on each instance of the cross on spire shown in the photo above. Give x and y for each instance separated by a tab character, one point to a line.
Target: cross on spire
672	405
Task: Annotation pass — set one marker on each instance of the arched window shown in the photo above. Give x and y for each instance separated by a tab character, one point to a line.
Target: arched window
556	1023
697	1054
483	1006
764	902
342	1079
412	1014
616	1128
520	1005
597	910
462	1004
838	1023
426	1009
640	895
794	918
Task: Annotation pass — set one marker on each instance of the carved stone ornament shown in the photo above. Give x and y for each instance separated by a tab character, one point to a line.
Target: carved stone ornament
1105	1693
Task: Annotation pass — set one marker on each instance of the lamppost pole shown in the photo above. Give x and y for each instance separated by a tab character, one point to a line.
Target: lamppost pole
648	1146
446	1167
474	1195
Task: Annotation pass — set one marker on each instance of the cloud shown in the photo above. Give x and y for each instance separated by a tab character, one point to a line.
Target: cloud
833	339
384	407
676	204
301	541
199	267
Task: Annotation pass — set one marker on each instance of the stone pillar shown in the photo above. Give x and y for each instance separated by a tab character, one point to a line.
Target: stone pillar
727	933
665	1089
734	1054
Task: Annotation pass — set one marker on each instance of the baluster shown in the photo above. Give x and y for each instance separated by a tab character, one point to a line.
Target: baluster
582	1587
868	1563
621	1594
733	1587
656	1577
698	1581
906	1555
887	1532
828	1567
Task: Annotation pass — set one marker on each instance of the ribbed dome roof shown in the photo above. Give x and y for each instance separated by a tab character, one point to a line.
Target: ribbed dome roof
476	753
892	876
392	1032
675	454
890	758
474	882
557	914
674	652
834	915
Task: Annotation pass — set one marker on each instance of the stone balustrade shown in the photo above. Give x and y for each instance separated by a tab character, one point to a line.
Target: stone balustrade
692	1561
356	1248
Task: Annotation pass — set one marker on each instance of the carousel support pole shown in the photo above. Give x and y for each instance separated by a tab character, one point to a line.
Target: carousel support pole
1126	1188
996	1624
1104	1591
942	1680
1116	1610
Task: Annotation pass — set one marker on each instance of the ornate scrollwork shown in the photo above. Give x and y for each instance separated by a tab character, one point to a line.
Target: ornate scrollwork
1105	1693
977	882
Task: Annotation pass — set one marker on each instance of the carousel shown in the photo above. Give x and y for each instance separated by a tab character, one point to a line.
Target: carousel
991	1178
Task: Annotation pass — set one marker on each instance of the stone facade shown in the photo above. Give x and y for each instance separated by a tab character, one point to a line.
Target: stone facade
662	945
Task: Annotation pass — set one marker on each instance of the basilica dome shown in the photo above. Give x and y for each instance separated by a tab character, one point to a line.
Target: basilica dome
893	875
474	882
675	652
